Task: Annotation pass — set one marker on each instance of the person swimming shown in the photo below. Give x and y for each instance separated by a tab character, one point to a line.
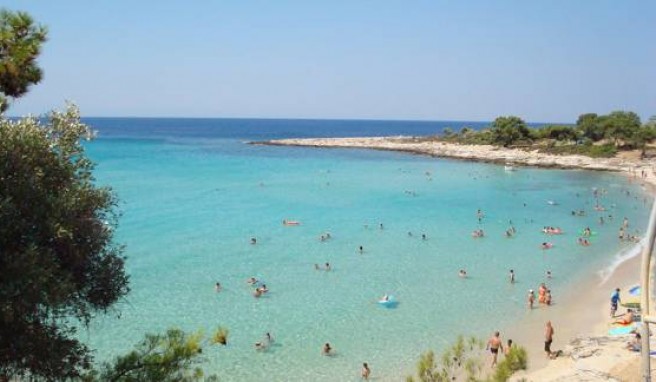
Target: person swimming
462	273
217	287
326	349
327	266
253	240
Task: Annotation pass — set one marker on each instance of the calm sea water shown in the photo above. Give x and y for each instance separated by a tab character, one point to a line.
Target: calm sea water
193	194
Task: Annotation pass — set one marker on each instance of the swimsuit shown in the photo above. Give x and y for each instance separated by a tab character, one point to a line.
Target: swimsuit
494	350
547	345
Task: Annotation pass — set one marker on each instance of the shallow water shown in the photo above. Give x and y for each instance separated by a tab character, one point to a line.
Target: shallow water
191	204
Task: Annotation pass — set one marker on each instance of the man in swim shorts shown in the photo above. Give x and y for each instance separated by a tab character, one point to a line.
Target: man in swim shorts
494	344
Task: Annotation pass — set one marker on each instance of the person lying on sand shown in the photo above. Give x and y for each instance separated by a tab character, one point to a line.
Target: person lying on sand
627	318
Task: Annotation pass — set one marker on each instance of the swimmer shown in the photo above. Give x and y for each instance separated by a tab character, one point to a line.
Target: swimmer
409	234
381	226
462	273
365	371
546	245
512	276
326	349
257	293
253	240
260	346
316	266
547	297
548	274
268	337
263	288
217	287
361	249
385	298
542	291
423	236
327	266
252	280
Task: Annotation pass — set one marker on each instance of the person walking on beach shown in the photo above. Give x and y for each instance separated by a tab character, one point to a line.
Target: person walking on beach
506	351
494	345
365	371
548	339
614	300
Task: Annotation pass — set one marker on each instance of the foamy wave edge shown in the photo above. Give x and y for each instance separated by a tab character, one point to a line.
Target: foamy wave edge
620	258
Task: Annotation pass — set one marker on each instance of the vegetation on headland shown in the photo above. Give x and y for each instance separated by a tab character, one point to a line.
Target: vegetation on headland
592	135
464	361
59	266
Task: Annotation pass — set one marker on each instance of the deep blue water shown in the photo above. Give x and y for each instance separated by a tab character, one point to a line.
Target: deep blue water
262	129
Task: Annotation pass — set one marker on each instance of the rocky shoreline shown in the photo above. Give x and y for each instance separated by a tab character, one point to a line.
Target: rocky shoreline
482	153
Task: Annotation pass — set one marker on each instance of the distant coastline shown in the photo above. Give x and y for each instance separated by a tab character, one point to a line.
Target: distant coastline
631	165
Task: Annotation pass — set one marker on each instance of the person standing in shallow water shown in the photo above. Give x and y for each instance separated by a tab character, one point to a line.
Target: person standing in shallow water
326	349
511	276
365	371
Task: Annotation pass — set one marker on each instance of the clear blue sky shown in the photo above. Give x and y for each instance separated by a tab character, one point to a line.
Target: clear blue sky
445	60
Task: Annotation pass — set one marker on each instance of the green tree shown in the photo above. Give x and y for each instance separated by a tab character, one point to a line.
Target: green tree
58	265
508	130
557	132
590	126
20	45
172	357
620	126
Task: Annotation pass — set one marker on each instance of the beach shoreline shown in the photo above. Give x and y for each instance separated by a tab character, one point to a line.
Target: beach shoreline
574	320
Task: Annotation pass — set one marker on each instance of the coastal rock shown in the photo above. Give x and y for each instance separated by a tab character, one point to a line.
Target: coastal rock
483	153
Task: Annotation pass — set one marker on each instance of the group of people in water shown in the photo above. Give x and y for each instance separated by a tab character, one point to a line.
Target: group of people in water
494	345
544	296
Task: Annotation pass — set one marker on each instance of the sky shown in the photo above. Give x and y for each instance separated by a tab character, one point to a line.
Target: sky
545	61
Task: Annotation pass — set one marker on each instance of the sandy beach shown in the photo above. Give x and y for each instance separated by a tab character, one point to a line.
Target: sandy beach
580	317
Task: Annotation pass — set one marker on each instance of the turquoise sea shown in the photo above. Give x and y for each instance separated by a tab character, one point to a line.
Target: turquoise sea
193	193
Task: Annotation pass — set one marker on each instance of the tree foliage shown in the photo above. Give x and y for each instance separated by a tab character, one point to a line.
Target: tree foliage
172	357
58	265
460	362
463	361
589	126
508	130
20	45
